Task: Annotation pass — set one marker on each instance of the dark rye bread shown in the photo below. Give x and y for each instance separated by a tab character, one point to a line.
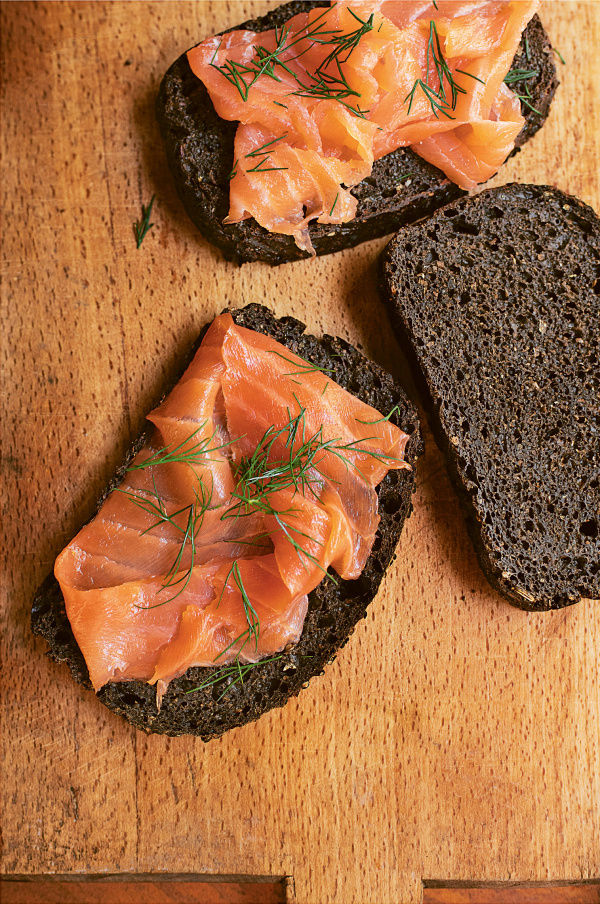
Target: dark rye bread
497	301
199	148
333	610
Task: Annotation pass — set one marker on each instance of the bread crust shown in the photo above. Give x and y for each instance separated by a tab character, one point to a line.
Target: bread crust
333	610
199	148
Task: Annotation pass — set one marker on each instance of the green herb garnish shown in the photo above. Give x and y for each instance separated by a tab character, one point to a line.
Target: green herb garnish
259	168
470	75
381	419
438	98
323	84
517	75
253	629
195	454
305	367
328	85
243	75
236	670
152	504
262	149
143	226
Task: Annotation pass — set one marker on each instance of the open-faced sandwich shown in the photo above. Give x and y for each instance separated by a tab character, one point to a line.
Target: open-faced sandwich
244	537
321	125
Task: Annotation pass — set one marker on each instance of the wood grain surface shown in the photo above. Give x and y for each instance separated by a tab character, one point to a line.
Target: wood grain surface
455	737
126	888
514	893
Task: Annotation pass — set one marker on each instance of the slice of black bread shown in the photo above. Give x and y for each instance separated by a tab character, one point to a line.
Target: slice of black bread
333	610
497	300
402	187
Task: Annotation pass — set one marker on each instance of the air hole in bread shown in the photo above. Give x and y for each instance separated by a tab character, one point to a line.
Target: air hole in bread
589	528
64	637
581	222
462	225
131	700
392	505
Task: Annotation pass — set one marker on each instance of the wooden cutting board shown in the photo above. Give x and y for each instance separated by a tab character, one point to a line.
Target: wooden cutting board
455	737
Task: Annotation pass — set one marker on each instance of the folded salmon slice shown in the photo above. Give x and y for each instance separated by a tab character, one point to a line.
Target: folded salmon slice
258	476
319	99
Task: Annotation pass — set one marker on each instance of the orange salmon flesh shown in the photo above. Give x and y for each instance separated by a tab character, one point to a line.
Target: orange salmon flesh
258	475
321	98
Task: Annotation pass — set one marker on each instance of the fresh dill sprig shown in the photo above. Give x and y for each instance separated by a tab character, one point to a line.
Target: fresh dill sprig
236	670
441	67
438	99
432	96
284	459
252	619
559	55
262	149
526	99
259	168
142	227
334	203
233	172
299	466
264	154
152	503
333	85
305	367
353	446
523	75
183	453
518	75
381	419
261	474
328	82
470	75
243	75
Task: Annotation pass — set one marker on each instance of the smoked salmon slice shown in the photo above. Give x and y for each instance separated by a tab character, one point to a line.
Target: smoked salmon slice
256	483
319	99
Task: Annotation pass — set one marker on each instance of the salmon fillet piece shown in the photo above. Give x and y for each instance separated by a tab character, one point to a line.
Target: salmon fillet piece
257	478
319	99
